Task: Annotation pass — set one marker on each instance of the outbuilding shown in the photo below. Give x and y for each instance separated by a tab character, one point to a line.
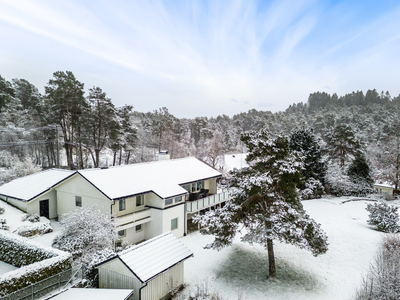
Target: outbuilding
152	269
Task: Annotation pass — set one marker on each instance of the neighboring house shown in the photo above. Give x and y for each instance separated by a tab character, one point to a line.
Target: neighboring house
383	188
152	269
146	199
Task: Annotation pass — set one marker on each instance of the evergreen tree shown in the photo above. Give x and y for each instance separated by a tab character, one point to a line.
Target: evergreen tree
64	94
304	141
359	169
265	201
342	143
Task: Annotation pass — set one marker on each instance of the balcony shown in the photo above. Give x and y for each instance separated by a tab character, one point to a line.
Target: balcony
196	205
132	219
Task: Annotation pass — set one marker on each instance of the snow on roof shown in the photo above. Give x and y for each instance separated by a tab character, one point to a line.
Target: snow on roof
386	185
162	177
31	186
154	256
98	294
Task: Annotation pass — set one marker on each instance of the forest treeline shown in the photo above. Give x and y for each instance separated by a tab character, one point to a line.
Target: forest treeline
73	128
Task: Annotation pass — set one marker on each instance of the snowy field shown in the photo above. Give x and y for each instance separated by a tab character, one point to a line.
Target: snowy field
242	269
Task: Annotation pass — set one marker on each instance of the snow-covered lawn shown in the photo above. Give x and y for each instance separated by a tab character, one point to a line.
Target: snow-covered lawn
242	268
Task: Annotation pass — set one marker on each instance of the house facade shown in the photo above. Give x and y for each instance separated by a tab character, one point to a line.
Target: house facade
145	199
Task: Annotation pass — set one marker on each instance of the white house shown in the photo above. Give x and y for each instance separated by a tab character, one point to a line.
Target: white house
384	188
146	199
151	268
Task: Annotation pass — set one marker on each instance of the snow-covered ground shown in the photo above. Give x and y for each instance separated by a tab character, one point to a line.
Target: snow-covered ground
5	267
242	268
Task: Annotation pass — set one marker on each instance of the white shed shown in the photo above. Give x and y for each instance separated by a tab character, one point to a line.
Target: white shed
151	268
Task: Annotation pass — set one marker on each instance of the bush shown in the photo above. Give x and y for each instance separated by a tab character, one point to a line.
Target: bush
3	225
2	210
36	262
313	190
31	218
34	229
384	217
383	279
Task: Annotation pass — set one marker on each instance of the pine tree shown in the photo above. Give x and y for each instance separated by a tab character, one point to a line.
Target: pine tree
384	217
342	143
265	201
359	169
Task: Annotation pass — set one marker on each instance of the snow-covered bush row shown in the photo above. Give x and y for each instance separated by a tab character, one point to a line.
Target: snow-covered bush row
36	262
31	218
34	229
383	279
384	217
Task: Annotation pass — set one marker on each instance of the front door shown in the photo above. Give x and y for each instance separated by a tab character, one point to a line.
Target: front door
44	208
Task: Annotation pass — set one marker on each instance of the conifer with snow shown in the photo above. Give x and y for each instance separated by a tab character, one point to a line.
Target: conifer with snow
383	217
265	202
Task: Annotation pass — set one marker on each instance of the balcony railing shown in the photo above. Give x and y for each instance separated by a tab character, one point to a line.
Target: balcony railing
193	206
133	217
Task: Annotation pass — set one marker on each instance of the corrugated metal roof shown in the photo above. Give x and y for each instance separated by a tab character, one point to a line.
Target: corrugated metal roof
161	177
155	256
31	186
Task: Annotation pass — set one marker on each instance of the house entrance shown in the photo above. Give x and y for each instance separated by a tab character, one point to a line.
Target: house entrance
44	208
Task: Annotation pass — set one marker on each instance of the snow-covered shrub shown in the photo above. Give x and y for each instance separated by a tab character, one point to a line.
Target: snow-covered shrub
30	217
383	216
36	262
86	231
3	225
90	272
383	279
34	229
313	190
340	184
2	210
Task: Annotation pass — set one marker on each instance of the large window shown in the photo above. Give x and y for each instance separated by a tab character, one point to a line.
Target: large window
122	204
169	201
78	201
178	199
140	200
174	224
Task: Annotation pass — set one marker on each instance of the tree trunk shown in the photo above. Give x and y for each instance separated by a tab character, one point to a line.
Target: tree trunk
271	259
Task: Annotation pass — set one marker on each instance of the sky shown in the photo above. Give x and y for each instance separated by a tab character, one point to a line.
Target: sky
205	58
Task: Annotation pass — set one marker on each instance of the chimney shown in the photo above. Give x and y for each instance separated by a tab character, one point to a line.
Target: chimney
163	155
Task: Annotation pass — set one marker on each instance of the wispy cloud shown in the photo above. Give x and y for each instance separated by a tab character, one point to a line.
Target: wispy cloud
197	54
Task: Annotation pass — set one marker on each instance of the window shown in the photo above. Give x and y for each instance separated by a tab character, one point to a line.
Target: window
174	224
178	199
121	233
200	185
187	187
78	201
139	200
139	228
121	204
168	201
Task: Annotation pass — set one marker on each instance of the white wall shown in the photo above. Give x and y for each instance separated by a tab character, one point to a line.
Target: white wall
78	186
33	206
172	213
17	203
